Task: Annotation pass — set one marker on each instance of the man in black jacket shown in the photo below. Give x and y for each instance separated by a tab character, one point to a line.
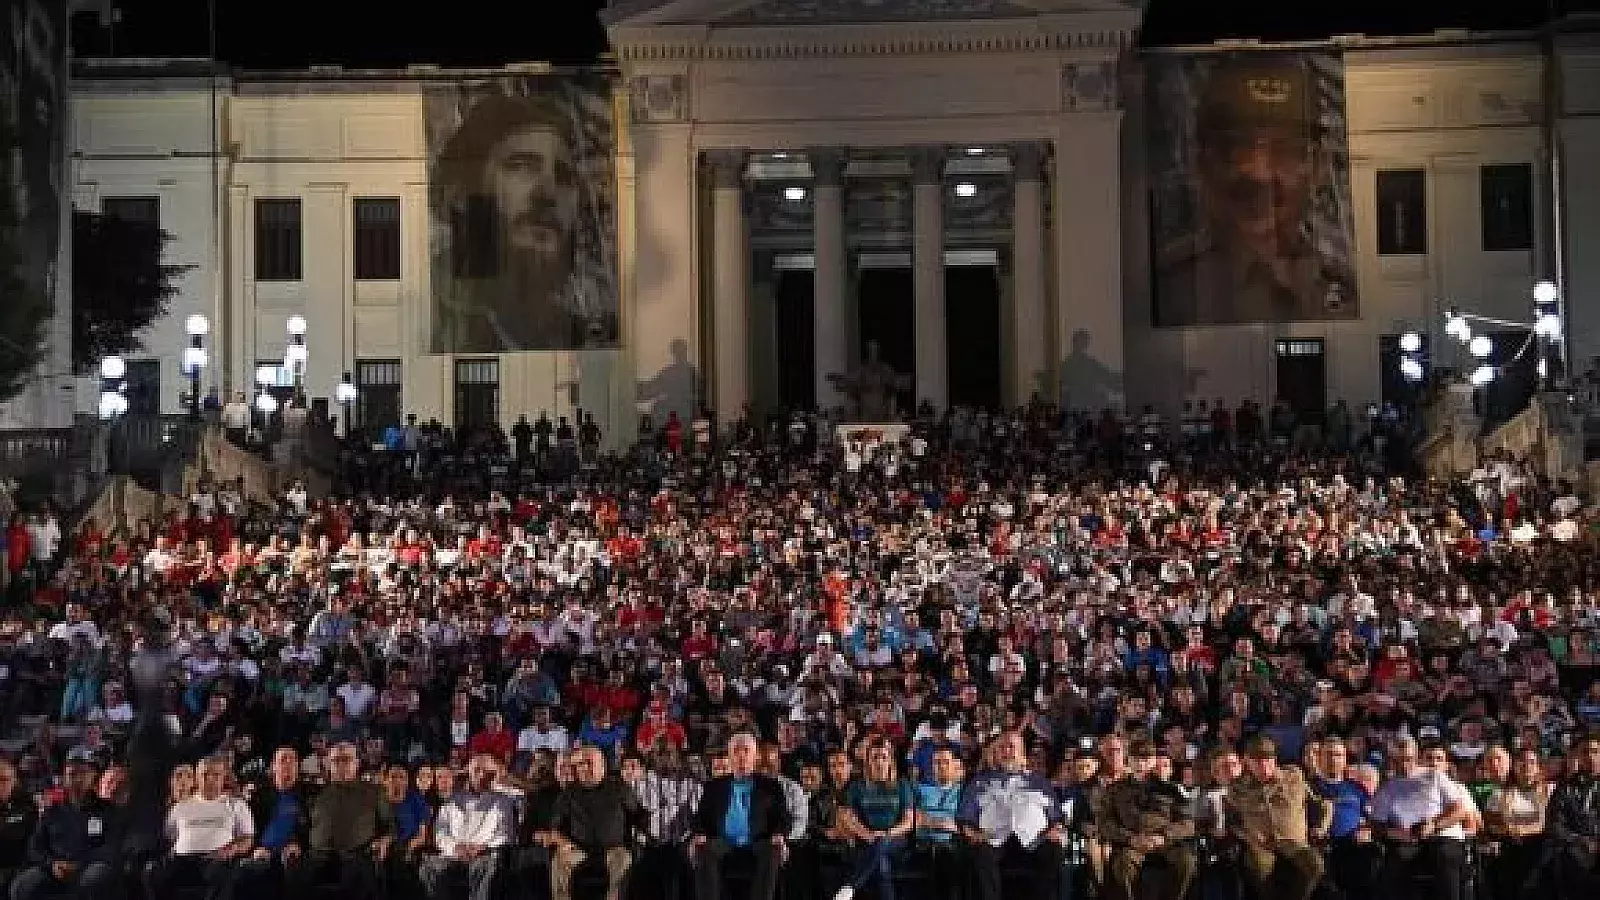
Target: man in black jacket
740	814
18	819
1572	823
594	817
75	846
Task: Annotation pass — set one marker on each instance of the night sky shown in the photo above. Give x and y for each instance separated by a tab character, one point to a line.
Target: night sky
296	33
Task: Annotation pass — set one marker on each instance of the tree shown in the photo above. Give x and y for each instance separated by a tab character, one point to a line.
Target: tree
24	308
119	284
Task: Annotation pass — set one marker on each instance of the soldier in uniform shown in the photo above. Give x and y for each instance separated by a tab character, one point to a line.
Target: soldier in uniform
1145	822
1267	814
1259	163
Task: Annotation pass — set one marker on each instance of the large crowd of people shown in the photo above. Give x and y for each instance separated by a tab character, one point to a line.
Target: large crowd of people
1022	654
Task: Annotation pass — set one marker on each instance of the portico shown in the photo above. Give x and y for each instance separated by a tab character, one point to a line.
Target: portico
846	165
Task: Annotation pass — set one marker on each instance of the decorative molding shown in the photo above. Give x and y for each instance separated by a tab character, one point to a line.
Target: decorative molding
659	98
828	165
1091	86
837	12
727	168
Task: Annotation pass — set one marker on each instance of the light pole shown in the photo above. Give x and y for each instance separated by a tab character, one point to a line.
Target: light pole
346	394
1545	330
111	408
195	359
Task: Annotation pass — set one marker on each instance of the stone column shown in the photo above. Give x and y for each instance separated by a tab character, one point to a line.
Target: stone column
927	257
1030	328
730	285
830	353
1088	225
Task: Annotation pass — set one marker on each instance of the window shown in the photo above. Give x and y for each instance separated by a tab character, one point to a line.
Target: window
143	210
477	394
378	395
475	239
1507	207
377	250
1304	347
278	254
1402	212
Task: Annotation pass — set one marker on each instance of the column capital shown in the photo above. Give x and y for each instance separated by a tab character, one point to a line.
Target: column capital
1027	160
727	167
927	164
828	165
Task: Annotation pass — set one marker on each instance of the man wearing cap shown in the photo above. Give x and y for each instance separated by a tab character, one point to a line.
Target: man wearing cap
1254	255
1142	821
75	847
1267	814
510	184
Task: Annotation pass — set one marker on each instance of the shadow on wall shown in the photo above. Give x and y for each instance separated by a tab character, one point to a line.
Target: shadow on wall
1087	384
672	389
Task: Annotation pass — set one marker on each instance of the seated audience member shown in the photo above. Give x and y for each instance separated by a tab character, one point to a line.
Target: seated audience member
741	814
210	832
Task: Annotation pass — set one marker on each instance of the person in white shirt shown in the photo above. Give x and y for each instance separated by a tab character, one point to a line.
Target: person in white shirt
472	829
1009	813
45	537
357	694
543	734
210	831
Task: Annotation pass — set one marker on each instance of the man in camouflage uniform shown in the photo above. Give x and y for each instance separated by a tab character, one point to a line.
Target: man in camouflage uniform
1145	821
1267	814
1252	255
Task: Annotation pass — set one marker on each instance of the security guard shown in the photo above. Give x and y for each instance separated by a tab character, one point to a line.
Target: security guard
1267	814
1144	821
1260	167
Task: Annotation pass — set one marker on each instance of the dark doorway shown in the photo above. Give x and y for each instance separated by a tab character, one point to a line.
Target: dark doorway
1303	377
1515	376
888	310
972	335
796	340
144	387
477	394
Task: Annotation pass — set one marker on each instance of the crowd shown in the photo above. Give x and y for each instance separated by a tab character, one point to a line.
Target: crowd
1029	653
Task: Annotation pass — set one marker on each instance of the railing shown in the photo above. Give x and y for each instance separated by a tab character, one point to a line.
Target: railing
29	451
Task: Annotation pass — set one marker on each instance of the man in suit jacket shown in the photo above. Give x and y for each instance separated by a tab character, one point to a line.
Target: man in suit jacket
740	814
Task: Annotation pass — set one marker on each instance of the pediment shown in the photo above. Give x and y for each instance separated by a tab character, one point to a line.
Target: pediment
791	13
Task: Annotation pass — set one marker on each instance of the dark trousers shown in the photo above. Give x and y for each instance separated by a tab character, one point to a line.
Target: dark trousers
714	854
92	881
1440	862
356	874
217	876
660	867
1577	873
1512	868
947	863
1044	863
1354	867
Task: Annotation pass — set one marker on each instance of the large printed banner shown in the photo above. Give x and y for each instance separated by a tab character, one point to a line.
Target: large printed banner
522	209
1250	208
33	121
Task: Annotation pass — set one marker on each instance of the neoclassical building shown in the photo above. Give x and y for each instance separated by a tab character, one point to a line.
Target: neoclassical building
962	187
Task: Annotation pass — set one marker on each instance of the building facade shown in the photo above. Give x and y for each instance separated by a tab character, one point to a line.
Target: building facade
961	187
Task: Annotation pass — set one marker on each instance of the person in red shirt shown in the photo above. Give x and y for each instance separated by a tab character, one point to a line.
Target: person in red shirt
494	739
700	643
674	433
19	550
659	730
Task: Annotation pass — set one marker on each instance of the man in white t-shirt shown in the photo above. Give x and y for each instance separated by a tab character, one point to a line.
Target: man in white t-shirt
210	832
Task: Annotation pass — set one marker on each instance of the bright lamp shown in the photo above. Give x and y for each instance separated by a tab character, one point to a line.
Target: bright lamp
1481	346
266	403
112	368
1482	375
1411	370
194	358
196	326
266	376
1548	327
297	325
1410	342
295	355
1545	292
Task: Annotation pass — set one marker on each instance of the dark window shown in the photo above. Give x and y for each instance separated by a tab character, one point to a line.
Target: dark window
144	387
1397	391
475	239
1507	207
1402	212
278	253
143	210
377	249
477	394
378	395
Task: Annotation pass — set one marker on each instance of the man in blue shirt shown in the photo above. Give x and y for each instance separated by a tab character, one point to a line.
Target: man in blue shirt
938	804
1353	857
283	820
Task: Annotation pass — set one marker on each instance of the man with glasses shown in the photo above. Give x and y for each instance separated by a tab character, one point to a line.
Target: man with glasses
1412	809
352	824
1572	822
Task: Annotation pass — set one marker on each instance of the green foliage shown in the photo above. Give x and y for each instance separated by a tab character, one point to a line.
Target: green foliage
24	310
119	285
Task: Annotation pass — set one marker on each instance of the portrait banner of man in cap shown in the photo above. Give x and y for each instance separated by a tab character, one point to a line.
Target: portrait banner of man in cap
1250	215
522	208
